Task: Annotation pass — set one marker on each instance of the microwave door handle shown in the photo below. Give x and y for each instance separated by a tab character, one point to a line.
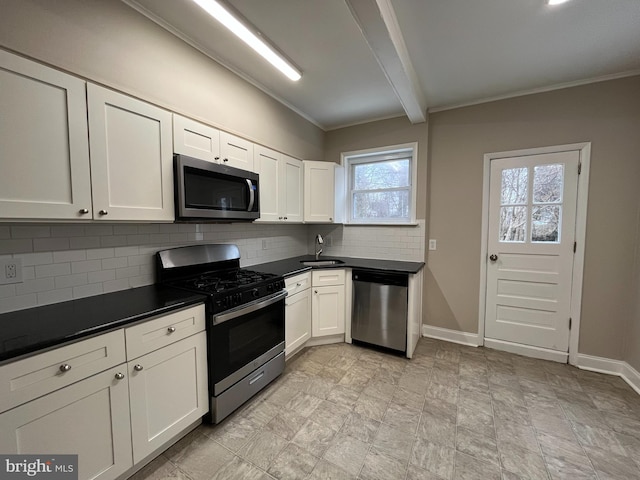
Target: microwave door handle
252	195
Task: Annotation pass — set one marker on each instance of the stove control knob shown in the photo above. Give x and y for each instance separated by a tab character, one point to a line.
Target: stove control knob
255	292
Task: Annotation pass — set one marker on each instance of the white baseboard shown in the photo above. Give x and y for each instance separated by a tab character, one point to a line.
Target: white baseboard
454	336
612	367
526	350
315	341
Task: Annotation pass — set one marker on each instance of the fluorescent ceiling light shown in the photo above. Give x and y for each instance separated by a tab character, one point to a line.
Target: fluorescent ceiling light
556	2
220	13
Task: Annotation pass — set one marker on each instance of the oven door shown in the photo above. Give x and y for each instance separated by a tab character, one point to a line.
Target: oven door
242	339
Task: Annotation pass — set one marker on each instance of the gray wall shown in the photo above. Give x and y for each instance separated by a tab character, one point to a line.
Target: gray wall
110	43
606	114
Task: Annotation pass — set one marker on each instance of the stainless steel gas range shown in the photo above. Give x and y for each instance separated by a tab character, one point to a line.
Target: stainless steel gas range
245	319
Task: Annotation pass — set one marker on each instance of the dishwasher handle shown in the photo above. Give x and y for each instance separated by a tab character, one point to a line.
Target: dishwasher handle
381	277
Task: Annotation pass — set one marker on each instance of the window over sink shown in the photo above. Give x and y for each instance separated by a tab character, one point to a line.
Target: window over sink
381	185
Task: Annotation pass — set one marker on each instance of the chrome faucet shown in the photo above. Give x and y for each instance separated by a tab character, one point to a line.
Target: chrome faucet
319	242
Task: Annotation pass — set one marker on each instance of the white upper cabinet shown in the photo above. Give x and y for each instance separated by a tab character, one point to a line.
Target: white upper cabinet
44	150
236	152
293	185
131	158
281	184
195	139
322	183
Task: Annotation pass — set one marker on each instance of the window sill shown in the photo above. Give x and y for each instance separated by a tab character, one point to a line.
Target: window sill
410	224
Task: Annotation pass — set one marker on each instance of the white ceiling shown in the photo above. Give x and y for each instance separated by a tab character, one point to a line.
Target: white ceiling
356	67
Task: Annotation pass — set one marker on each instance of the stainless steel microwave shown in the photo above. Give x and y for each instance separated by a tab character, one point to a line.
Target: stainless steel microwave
210	191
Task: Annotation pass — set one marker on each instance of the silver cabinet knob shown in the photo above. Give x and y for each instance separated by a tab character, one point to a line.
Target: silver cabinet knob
298	284
119	376
279	218
330	219
493	257
171	329
315	291
285	218
137	367
103	212
65	367
216	158
225	159
84	211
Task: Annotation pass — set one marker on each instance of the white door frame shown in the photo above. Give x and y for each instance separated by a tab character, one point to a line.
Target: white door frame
584	150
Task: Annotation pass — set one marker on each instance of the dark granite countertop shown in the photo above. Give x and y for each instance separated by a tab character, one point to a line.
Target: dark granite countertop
293	266
27	331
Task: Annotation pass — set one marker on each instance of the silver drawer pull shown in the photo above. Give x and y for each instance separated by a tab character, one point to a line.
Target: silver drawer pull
137	367
256	378
65	367
119	376
298	284
171	329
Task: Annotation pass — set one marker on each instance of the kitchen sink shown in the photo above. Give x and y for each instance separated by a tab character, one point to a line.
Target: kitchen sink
320	263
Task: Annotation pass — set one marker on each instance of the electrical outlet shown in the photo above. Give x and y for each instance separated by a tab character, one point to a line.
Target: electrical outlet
432	244
10	271
264	244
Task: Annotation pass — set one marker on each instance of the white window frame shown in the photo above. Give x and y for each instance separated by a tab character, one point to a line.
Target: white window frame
392	152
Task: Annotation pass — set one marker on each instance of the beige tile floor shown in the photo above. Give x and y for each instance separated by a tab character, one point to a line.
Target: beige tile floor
452	412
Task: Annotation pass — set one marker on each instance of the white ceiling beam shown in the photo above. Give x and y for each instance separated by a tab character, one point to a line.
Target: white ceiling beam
379	25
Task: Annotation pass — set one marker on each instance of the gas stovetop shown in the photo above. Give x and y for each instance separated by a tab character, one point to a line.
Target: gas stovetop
214	270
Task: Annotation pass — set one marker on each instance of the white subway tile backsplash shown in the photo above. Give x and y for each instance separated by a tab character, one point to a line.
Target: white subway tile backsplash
69	256
71	280
30	231
87	290
84	242
55	296
50	244
107	258
101	276
16	245
86	266
35	286
116	262
53	270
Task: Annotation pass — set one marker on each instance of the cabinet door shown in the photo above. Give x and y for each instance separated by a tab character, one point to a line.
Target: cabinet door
43	142
297	314
89	418
327	310
267	163
292	182
319	191
236	152
168	392
131	158
195	139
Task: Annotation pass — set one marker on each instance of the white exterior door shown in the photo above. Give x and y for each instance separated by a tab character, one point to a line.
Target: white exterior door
532	215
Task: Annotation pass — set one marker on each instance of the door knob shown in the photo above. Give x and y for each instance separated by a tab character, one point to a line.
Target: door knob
493	257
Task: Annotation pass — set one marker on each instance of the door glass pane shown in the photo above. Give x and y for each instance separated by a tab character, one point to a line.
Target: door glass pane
514	186
513	224
545	223
548	183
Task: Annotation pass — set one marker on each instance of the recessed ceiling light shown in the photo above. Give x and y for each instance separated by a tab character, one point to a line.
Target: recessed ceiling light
556	2
245	33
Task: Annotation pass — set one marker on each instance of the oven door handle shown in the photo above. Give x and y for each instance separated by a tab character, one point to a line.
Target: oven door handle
249	307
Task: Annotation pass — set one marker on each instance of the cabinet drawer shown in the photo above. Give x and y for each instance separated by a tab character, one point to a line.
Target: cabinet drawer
161	331
320	278
35	376
297	283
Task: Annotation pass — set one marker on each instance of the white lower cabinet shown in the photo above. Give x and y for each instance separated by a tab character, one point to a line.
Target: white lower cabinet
328	302
168	392
117	414
297	312
89	418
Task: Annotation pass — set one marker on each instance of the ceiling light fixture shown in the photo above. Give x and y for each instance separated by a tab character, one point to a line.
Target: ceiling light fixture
242	31
556	2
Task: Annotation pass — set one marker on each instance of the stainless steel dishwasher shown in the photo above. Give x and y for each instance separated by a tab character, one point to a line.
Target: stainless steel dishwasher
379	315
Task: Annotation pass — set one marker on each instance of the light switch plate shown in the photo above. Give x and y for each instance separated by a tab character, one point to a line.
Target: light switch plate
432	244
